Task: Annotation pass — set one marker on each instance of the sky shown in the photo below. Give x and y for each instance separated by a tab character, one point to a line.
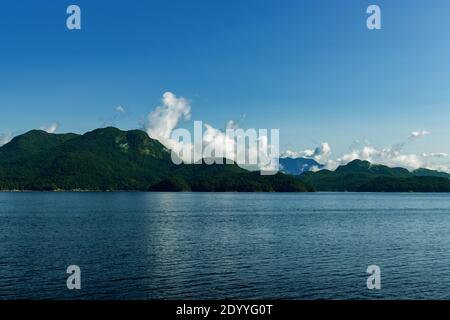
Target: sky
334	88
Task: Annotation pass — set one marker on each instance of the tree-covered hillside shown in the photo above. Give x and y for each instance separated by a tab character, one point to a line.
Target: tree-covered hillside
111	159
361	175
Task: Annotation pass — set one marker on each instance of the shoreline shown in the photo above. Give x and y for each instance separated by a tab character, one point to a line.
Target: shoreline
243	192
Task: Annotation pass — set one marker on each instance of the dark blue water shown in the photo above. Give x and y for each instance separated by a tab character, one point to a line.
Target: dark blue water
217	246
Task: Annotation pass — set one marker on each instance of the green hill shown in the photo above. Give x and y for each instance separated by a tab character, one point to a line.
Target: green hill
361	175
32	143
365	167
111	159
411	184
233	178
430	173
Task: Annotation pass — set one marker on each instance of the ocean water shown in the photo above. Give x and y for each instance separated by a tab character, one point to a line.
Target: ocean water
224	245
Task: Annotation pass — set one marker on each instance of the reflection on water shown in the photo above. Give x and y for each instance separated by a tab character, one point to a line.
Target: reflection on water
226	245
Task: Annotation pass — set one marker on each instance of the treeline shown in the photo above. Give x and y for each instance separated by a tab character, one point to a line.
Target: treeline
110	159
362	176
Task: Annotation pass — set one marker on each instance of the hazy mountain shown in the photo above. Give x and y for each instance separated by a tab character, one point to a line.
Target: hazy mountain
111	159
363	176
430	173
297	166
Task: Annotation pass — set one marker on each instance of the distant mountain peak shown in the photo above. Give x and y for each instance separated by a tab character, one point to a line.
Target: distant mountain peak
297	166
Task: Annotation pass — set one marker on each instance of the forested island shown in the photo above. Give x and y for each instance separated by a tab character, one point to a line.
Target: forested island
109	159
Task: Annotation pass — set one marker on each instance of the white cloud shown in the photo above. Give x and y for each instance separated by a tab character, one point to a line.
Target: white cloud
386	156
51	128
392	156
164	119
120	109
435	155
322	151
419	134
319	154
297	154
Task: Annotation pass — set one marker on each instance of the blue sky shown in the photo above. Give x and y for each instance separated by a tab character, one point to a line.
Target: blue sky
310	68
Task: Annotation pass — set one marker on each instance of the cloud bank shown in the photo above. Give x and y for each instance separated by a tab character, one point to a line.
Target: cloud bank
389	156
162	125
319	154
164	120
392	156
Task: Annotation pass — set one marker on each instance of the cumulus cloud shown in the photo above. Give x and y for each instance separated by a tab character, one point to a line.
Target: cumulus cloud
386	156
389	156
392	156
162	123
50	128
297	154
419	134
319	154
322	151
215	144
164	119
120	109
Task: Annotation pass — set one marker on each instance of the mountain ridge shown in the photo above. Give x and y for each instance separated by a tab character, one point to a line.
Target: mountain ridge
363	176
108	159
